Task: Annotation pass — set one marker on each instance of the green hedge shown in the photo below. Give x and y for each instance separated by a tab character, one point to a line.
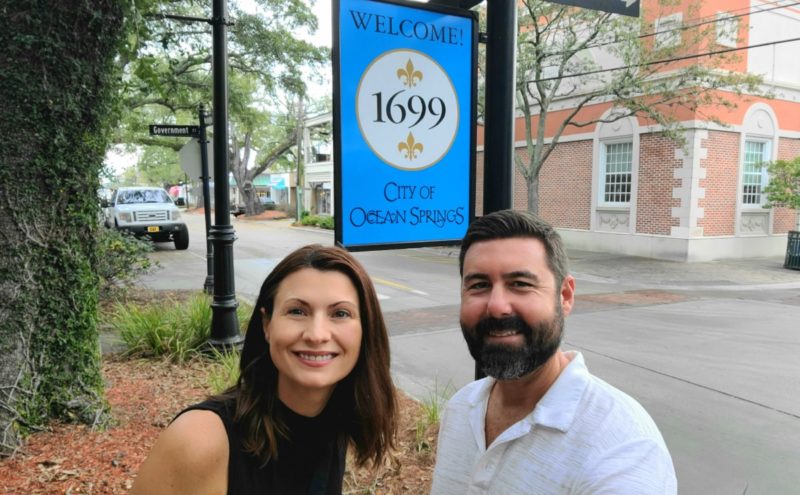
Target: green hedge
321	221
177	331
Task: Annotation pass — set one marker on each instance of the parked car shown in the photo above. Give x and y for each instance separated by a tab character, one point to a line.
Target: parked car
267	203
146	212
237	210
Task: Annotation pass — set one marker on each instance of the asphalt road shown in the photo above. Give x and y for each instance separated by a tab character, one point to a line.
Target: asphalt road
709	349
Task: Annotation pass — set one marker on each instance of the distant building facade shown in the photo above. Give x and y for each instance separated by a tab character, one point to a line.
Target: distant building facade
318	165
622	187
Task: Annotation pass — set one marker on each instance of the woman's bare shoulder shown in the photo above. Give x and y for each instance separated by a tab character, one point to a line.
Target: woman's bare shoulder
189	457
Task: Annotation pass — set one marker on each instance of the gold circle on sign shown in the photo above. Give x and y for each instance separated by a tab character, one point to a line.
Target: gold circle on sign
452	88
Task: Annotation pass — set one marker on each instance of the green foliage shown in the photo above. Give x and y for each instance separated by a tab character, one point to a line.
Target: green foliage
326	222
168	72
56	87
121	259
168	67
224	370
321	221
157	166
243	313
432	408
176	331
784	184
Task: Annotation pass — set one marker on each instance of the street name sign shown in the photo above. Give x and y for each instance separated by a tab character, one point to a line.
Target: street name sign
175	130
403	123
624	7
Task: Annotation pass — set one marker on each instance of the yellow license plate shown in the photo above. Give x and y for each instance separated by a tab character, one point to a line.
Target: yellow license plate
152	229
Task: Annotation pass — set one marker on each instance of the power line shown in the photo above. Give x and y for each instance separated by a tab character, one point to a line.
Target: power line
666	61
714	19
711	19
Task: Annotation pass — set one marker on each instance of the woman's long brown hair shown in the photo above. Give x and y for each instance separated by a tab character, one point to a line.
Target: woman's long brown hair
365	399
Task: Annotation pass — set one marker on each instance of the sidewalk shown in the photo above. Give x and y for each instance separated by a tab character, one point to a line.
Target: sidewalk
636	272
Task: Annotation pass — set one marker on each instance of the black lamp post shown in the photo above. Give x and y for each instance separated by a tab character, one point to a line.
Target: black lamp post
501	30
498	162
224	322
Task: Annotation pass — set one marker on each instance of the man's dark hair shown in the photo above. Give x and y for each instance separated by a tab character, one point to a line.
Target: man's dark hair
508	224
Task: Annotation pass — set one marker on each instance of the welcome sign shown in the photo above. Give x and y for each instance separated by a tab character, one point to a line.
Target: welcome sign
404	123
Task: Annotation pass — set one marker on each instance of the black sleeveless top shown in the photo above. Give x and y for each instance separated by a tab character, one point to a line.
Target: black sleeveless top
311	461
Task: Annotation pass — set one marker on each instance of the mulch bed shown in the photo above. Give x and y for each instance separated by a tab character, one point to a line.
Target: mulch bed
144	395
265	215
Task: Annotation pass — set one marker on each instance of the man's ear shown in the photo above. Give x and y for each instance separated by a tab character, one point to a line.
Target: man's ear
567	294
265	324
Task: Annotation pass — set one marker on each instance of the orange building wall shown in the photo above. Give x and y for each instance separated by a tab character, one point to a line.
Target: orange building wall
722	176
654	200
786	112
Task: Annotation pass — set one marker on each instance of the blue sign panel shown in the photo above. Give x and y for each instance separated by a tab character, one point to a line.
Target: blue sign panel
404	123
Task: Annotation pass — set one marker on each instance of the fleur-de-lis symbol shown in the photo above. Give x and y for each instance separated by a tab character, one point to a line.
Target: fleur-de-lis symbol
410	148
409	75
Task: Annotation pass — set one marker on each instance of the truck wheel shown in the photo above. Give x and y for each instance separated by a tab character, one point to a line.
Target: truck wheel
181	239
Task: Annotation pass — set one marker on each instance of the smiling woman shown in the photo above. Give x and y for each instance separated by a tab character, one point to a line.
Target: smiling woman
314	379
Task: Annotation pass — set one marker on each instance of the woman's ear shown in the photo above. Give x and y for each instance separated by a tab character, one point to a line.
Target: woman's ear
265	324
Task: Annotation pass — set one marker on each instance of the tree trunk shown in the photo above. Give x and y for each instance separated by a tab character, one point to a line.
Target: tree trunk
533	194
252	206
56	91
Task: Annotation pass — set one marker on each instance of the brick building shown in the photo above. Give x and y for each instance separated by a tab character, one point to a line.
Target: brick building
623	187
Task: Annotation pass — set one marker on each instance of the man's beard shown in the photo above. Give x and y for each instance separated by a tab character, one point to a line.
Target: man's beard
508	362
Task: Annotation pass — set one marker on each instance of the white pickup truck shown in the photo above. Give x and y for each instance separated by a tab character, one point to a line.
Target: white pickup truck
146	212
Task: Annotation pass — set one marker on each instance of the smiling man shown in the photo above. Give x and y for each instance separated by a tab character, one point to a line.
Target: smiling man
540	423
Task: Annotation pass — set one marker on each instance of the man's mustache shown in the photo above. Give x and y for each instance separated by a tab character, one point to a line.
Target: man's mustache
491	324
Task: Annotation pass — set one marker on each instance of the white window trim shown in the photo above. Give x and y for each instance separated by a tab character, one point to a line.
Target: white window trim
601	184
727	29
767	157
673	35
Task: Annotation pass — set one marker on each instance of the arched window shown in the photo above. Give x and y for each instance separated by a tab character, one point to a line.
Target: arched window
758	137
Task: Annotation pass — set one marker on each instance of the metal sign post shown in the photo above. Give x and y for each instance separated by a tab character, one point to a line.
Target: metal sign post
225	333
224	322
208	286
498	142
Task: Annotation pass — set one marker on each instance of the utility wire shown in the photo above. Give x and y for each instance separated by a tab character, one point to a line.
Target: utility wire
666	61
686	27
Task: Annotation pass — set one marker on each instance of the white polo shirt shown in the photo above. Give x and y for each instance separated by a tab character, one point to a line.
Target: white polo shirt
583	437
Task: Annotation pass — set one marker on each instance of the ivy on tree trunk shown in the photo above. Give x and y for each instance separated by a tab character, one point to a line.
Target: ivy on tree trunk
56	92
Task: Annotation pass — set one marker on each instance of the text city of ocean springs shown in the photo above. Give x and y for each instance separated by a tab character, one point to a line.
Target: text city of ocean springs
392	191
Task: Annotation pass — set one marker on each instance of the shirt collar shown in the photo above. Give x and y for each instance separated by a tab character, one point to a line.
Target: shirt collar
559	406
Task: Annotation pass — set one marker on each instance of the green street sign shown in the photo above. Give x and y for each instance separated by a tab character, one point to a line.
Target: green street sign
175	130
